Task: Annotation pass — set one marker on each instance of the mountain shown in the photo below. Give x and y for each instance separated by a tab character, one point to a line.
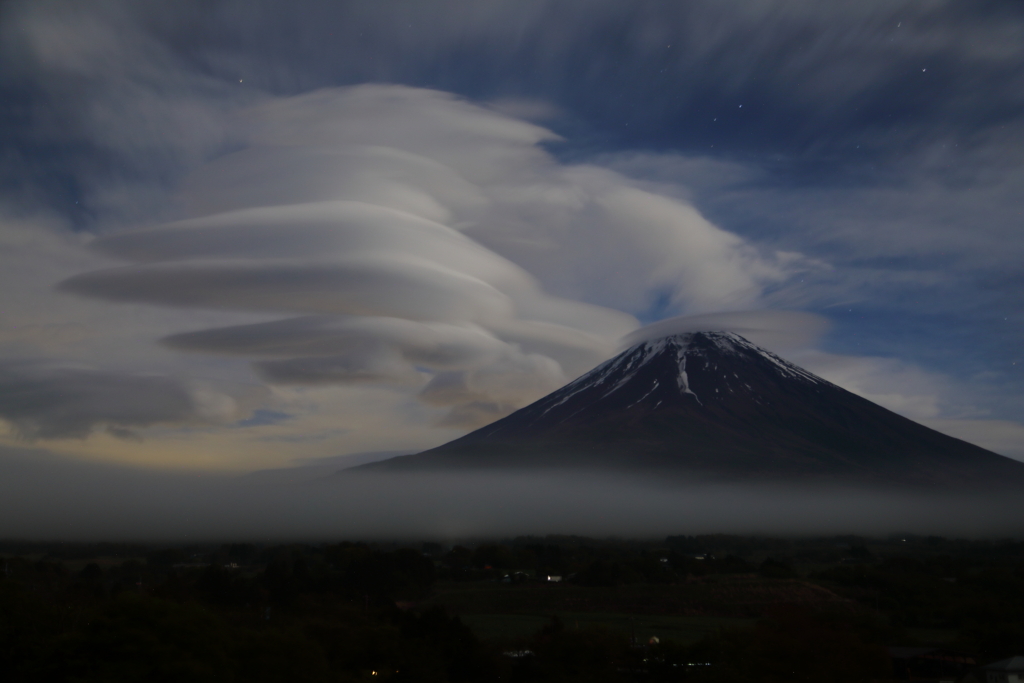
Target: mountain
713	405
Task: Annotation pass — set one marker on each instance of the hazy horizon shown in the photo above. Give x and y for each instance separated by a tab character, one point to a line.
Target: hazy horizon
47	498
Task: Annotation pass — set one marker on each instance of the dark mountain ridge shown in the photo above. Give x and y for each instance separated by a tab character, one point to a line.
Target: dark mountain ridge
713	405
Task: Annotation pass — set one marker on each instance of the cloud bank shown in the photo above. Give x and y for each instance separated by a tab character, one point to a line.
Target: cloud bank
42	402
414	239
63	403
43	497
871	175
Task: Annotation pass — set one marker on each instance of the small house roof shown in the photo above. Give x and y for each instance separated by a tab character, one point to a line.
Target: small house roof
1011	664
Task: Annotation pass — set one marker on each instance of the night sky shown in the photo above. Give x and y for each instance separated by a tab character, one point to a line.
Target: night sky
246	235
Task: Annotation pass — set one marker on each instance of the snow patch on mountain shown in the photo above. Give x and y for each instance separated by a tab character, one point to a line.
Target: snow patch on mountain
615	374
731	343
649	392
683	380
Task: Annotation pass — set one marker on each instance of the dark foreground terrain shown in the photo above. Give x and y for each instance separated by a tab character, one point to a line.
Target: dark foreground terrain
708	608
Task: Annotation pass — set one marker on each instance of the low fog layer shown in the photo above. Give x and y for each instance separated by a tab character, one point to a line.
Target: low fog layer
46	497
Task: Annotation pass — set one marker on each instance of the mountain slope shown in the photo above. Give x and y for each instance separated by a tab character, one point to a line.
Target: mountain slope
711	404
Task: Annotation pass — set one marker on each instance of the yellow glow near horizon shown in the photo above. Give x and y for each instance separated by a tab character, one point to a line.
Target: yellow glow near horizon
328	422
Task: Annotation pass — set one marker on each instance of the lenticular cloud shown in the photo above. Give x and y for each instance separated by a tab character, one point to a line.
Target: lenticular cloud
406	237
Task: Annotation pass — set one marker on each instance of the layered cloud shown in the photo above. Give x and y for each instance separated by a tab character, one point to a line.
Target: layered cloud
336	242
417	237
61	403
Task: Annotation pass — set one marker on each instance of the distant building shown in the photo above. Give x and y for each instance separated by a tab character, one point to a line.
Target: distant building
554	579
1005	671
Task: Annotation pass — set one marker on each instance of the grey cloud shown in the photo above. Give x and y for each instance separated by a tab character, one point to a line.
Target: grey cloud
432	345
478	144
577	351
352	349
431	228
393	285
777	330
60	403
386	176
317	229
375	367
478	375
478	396
484	173
435	345
290	337
472	414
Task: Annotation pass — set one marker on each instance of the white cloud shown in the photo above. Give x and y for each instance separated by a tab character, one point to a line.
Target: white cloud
474	282
779	331
401	206
424	232
573	227
898	385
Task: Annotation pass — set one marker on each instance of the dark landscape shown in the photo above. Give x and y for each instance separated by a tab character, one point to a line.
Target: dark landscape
684	608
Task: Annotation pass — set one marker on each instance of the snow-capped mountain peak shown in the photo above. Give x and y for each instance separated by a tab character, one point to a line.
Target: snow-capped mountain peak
708	352
713	404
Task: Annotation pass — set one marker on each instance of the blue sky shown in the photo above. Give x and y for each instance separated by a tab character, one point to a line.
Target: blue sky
241	235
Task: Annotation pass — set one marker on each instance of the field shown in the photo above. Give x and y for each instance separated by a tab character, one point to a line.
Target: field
737	608
684	613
